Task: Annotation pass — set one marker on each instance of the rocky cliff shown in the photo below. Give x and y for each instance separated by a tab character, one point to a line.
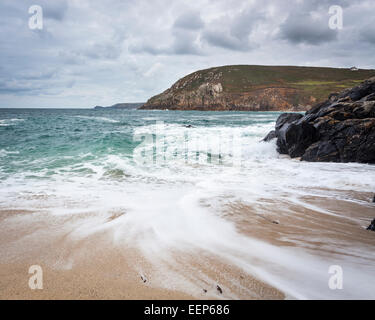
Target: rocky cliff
255	88
341	129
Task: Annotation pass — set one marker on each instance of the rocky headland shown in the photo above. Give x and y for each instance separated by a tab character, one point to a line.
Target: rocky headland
256	88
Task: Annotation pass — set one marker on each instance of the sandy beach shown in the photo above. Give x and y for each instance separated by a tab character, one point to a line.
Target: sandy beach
95	267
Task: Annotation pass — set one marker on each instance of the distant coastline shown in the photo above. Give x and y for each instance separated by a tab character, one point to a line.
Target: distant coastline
122	106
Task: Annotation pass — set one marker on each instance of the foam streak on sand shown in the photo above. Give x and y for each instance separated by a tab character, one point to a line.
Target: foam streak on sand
185	227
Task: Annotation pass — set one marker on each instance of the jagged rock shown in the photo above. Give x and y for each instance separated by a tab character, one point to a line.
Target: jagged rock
295	137
286	118
372	226
361	91
341	129
370	97
324	152
270	136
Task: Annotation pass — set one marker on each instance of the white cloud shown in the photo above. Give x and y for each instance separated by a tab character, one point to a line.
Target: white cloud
154	68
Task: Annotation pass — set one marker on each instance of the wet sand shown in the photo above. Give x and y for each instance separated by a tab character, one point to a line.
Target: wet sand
95	267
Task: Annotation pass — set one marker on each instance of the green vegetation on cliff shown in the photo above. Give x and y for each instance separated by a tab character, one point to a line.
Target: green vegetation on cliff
248	87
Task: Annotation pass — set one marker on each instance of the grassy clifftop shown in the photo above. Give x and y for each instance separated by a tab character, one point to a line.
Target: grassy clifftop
249	87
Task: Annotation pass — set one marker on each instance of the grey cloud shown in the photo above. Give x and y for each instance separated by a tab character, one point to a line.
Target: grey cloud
233	32
189	20
225	40
21	87
304	29
38	75
139	48
179	47
55	9
183	43
95	51
368	34
103	51
70	58
243	24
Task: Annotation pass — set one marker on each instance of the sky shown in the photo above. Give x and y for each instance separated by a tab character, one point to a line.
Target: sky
95	52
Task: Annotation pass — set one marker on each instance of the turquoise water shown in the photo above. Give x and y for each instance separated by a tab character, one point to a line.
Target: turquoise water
208	176
49	141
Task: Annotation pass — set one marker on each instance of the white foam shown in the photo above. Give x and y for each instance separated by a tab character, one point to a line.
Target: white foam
9	122
4	152
102	119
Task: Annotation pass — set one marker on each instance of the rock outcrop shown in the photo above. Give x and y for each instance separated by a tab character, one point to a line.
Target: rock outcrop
372	226
255	88
341	129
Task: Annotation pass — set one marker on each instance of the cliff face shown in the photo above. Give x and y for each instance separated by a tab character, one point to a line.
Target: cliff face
255	88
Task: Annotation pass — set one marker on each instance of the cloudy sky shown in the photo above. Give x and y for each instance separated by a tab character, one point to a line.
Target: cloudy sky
95	52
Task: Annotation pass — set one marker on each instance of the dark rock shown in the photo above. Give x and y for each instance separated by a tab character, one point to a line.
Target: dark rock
364	89
286	118
373	200
314	110
365	110
370	97
341	129
282	124
294	138
325	151
372	226
270	136
283	119
219	289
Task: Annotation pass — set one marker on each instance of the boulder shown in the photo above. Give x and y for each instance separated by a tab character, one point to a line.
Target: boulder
270	136
294	138
282	122
321	152
341	129
372	226
287	118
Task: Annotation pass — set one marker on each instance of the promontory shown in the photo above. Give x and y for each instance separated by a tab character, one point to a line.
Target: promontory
256	88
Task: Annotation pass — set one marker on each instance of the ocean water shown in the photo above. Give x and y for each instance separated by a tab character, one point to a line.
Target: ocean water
172	178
